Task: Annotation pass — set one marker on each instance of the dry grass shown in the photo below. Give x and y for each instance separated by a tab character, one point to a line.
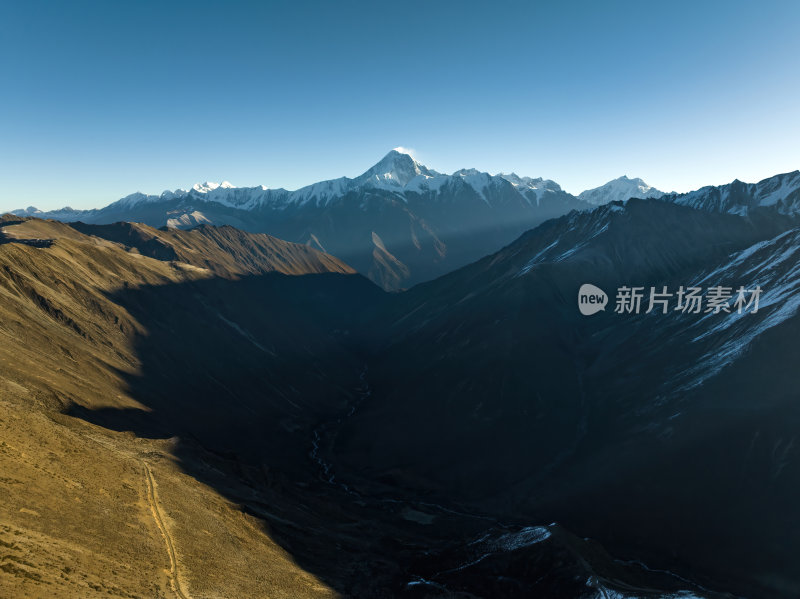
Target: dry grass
74	514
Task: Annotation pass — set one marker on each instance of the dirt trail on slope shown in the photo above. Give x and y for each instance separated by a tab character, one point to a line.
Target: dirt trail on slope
152	499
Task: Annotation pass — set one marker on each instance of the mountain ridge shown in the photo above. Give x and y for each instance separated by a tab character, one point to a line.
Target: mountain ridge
401	223
395	171
399	171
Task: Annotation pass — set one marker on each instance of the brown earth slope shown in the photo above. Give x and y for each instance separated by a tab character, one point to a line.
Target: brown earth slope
85	511
225	251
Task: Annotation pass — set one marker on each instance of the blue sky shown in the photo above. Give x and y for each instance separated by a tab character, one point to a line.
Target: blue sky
101	99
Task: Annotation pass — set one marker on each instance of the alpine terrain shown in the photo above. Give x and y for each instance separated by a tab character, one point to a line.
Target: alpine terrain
398	223
206	394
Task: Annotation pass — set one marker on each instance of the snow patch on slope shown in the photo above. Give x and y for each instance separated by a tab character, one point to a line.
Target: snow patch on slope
772	265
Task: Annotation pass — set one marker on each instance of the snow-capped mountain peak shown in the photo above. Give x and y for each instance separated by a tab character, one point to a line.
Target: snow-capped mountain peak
396	169
66	213
530	182
622	188
780	192
209	186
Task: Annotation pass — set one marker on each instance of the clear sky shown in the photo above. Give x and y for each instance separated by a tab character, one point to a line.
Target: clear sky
102	99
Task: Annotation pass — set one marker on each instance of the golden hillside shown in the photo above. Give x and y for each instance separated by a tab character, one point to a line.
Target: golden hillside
86	511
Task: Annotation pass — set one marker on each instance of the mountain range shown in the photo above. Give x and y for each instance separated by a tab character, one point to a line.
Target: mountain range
399	223
220	412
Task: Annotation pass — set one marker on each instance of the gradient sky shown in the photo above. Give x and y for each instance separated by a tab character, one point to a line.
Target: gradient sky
102	99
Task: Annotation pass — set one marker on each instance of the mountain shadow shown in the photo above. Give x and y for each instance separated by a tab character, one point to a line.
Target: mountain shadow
656	434
253	379
419	443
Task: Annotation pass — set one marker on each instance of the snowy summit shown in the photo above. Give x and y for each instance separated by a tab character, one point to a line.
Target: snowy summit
622	188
